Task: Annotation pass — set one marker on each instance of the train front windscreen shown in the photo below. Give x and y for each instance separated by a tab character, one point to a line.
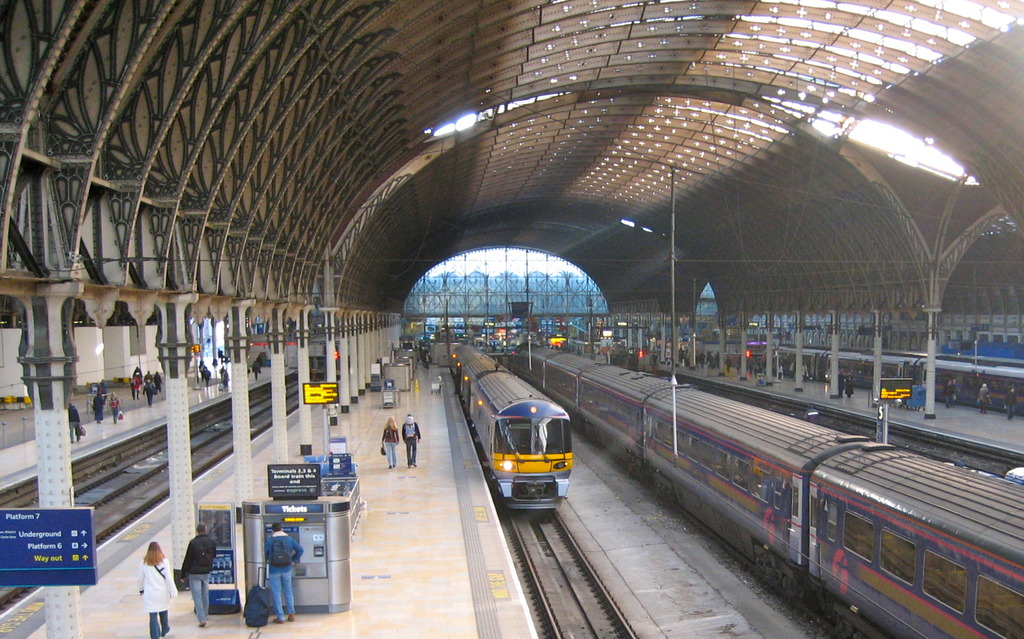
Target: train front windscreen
544	436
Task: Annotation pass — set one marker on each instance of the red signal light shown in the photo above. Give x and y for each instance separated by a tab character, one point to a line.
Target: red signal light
748	353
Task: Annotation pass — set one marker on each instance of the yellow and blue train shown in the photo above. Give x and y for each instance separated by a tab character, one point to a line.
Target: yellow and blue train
525	438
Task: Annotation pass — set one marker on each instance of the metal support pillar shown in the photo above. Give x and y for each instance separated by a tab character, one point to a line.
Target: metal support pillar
174	358
769	350
305	410
344	372
929	376
833	384
236	337
876	378
279	398
798	368
49	370
743	347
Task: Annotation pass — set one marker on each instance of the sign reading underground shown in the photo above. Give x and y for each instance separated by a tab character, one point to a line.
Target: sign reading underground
47	547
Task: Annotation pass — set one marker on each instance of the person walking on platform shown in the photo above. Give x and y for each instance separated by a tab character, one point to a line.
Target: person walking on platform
150	390
98	402
156	585
281	551
983	398
136	385
74	423
411	433
224	377
115	407
206	374
1010	401
949	392
389	440
196	567
158	382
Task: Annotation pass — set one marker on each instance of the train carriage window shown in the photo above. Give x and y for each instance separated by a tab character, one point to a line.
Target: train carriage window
945	581
1000	609
741	473
898	556
760	477
720	462
779	493
833	521
859	536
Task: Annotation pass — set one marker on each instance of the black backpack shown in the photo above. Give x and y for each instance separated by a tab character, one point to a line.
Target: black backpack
206	552
280	553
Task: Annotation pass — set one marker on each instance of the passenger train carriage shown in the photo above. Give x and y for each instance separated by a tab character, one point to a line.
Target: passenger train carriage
886	541
525	437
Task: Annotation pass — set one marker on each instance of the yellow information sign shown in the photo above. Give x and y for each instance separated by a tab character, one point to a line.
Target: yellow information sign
322	393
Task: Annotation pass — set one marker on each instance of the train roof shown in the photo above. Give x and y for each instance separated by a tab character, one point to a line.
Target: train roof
767	434
511	396
986	512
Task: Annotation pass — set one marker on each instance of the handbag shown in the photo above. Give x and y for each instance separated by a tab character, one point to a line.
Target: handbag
382	451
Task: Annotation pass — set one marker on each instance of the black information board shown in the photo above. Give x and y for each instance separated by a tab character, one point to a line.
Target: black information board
894	388
293	481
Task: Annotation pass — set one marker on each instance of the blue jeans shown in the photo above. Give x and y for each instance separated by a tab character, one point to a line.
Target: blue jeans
391	450
410	450
199	585
280	583
156	624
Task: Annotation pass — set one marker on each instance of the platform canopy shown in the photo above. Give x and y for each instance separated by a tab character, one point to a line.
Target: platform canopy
337	150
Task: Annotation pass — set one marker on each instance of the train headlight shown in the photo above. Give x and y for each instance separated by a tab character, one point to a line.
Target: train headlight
559	465
508	465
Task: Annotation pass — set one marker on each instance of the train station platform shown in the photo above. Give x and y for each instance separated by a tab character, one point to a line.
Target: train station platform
427	556
960	421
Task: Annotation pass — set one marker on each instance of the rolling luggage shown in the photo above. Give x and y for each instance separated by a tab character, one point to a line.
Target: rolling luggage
258	605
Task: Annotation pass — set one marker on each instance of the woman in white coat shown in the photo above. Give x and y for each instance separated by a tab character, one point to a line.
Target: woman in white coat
156	585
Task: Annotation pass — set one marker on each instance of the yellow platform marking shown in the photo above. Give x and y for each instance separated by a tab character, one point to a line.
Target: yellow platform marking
135	532
14	622
481	514
499	587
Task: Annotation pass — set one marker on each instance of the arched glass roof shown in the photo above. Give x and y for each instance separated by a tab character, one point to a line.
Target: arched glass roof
499	282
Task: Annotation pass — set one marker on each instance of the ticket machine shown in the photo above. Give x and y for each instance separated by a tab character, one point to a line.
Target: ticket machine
322	579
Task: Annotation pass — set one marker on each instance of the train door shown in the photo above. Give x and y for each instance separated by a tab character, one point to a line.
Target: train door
814	566
796	519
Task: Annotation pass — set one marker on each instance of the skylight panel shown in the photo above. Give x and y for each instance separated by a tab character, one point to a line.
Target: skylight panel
905	147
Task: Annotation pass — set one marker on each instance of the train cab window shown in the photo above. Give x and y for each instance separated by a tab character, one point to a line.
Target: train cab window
1000	609
859	536
898	556
945	580
741	473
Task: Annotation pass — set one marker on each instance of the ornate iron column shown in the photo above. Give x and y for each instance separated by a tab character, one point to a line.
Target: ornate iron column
277	387
237	339
833	329
172	343
305	410
49	370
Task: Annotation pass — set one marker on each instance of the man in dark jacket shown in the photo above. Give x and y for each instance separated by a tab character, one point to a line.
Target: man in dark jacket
196	567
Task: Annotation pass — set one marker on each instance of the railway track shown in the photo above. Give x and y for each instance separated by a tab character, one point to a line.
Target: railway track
569	599
124	482
937	445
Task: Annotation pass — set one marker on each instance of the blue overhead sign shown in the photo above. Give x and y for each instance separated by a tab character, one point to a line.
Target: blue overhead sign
47	547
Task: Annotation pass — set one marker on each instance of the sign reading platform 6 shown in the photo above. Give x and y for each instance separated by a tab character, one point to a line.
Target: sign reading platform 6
47	547
325	393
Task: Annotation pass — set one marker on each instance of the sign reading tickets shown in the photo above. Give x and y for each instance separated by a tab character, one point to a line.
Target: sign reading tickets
323	393
293	481
894	388
47	547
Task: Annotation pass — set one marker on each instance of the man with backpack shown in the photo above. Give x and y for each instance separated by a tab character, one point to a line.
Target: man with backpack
281	551
196	567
